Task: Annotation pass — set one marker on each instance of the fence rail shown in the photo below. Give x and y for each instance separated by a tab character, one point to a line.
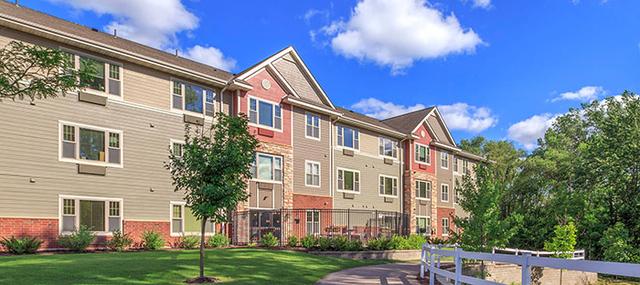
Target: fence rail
250	226
431	255
578	254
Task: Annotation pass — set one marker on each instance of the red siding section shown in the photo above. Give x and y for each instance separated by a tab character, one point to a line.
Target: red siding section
445	213
424	140
312	202
274	95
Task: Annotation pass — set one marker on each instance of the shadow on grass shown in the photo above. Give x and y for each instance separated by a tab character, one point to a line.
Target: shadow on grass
232	266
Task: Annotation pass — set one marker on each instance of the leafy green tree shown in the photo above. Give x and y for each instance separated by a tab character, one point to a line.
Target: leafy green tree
616	244
563	242
213	171
38	72
484	228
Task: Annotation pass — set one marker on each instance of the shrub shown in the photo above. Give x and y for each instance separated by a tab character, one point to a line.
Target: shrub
616	244
380	243
292	241
398	243
21	245
416	241
219	240
190	242
325	243
309	242
152	240
119	241
78	240
269	240
340	243
354	245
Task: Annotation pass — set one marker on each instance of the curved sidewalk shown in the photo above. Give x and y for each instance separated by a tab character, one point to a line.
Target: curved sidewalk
385	274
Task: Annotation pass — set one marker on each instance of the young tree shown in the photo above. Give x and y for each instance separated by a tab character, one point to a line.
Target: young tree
563	242
213	170
37	72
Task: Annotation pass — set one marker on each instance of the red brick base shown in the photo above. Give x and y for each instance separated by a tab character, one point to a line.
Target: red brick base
44	229
47	230
312	202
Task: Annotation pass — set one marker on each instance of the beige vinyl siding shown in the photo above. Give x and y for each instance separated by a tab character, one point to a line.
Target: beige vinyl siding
265	198
369	141
310	149
444	176
30	151
439	130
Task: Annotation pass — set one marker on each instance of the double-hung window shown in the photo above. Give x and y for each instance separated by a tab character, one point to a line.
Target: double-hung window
183	222
348	180
265	114
102	76
423	189
348	137
388	147
444	160
444	193
465	167
423	154
445	226
312	126
267	168
455	164
423	225
312	173
92	145
97	215
388	186
177	148
192	98
313	222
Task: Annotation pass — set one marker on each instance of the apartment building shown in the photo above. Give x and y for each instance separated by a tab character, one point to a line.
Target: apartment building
96	157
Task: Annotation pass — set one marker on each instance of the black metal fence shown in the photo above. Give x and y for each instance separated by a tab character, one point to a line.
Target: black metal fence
249	226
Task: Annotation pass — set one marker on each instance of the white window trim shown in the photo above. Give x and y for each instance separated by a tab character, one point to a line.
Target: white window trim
428	219
257	125
313	222
76	66
443	154
171	204
319	174
448	227
395	145
426	182
348	191
454	159
77	199
281	168
397	185
174	141
319	126
448	192
338	146
61	125
204	99
415	157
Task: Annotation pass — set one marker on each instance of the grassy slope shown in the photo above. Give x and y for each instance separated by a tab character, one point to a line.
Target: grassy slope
233	266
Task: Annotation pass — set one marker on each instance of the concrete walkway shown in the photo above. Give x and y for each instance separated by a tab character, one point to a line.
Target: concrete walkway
385	274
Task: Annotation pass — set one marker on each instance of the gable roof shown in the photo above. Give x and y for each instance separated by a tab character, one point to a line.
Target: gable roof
274	63
406	123
353	116
32	21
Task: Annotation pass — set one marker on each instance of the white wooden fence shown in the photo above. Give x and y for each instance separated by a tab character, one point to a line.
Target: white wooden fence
578	254
431	255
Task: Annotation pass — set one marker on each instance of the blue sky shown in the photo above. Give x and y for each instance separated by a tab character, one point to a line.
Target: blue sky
499	68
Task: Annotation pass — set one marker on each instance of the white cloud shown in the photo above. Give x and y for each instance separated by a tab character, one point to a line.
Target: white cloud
382	110
485	4
527	132
311	13
155	23
211	56
397	33
587	93
465	117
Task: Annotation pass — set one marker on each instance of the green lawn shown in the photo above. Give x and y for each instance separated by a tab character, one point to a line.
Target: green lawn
233	266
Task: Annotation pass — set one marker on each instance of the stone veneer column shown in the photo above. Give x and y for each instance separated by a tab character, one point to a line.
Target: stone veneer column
409	200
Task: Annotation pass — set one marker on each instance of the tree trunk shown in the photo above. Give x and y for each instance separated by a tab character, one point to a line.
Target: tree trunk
204	221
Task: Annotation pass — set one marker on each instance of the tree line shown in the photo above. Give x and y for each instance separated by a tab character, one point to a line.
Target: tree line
583	177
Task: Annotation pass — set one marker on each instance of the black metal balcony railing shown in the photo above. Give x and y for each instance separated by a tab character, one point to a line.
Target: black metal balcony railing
249	226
